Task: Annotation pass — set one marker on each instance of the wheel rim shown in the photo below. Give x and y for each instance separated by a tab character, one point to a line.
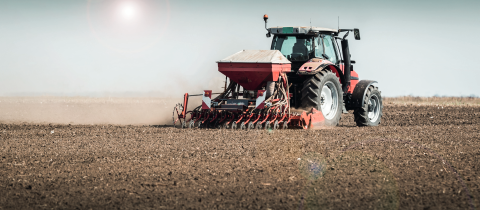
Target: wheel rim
373	108
329	100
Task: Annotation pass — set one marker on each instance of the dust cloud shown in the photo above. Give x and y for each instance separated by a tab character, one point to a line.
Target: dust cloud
124	109
85	110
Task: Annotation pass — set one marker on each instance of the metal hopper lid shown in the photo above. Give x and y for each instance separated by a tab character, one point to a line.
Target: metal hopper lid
256	56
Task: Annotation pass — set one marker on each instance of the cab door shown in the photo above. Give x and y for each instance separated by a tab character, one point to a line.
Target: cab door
329	47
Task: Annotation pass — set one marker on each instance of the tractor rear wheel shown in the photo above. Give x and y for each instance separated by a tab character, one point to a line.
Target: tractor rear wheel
323	92
370	113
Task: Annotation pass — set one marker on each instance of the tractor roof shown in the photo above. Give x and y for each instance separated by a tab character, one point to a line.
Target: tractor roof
298	30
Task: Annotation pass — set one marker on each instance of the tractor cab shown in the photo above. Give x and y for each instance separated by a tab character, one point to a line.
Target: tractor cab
300	44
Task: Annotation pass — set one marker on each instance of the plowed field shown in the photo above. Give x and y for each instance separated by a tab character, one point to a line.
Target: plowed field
420	157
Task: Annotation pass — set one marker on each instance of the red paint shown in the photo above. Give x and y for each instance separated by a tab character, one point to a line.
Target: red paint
316	119
334	70
258	117
248	119
185	102
353	83
241	117
313	120
252	76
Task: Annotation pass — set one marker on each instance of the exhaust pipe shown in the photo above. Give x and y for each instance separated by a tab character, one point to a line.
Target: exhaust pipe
347	66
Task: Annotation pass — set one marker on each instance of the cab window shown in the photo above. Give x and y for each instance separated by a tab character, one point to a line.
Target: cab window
318	47
329	48
294	48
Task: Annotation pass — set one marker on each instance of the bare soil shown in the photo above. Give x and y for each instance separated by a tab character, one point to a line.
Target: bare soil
420	157
433	101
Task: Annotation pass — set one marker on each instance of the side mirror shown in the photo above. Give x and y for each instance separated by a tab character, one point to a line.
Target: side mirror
356	33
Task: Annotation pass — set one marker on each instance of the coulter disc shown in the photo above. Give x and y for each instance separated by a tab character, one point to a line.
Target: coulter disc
243	126
177	110
250	126
276	125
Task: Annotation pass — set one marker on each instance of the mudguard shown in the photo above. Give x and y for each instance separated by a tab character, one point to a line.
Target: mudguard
358	94
315	65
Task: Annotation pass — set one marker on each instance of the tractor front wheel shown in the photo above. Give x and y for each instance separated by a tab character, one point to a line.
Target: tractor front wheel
370	113
323	92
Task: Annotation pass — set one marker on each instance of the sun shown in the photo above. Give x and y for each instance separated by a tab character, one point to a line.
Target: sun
128	11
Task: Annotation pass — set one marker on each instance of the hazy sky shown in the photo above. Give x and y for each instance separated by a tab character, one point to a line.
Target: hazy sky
99	47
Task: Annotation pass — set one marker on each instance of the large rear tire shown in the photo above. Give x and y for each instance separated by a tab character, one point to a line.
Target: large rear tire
370	113
323	92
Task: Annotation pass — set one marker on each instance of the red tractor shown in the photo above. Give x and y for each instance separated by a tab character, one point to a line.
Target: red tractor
306	80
